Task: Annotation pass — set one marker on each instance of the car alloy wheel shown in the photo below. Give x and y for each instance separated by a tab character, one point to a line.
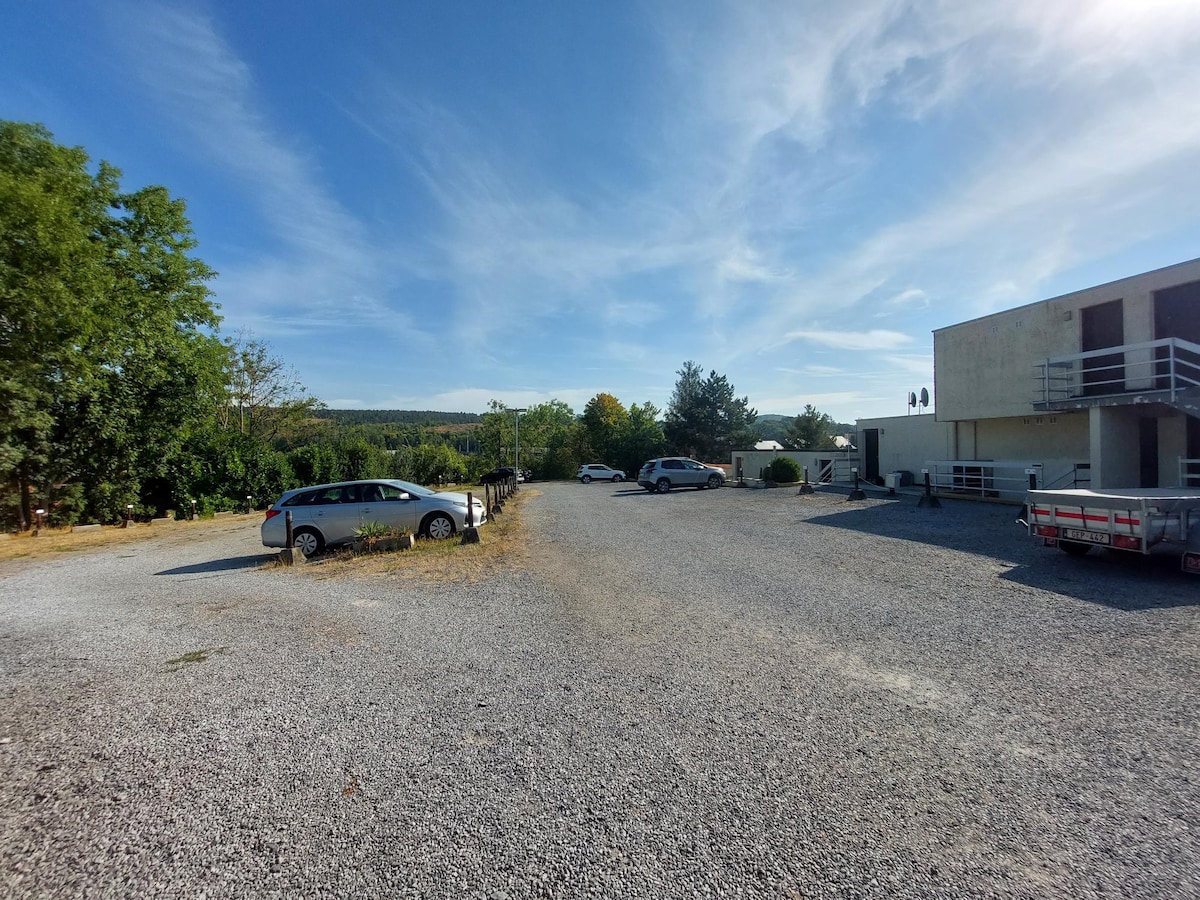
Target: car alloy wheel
586	479
714	481
617	478
663	485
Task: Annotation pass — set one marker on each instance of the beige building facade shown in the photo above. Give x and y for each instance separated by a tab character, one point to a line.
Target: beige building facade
1098	388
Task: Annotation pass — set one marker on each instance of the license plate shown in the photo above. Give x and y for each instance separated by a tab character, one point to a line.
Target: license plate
1191	563
1090	537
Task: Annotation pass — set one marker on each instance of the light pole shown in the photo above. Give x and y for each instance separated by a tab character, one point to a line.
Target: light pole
517	439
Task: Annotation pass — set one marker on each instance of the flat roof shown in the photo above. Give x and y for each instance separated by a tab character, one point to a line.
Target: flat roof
1178	265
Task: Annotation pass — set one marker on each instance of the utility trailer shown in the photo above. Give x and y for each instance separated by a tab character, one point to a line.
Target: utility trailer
1137	520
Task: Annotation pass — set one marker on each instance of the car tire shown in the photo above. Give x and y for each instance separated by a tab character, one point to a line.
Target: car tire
308	541
617	478
437	526
586	479
1074	548
714	481
662	485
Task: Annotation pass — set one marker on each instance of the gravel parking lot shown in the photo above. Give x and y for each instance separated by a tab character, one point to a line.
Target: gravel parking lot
732	693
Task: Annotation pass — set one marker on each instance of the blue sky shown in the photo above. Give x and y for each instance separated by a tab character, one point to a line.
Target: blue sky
432	205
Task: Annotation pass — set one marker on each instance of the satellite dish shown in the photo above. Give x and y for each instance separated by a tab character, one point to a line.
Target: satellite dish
924	397
912	399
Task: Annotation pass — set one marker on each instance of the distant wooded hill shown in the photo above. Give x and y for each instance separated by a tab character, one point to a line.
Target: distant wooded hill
428	418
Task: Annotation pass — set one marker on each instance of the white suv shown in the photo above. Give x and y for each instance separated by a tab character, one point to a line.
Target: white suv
678	471
596	472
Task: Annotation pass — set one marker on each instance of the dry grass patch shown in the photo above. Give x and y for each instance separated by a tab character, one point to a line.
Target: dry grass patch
53	541
501	546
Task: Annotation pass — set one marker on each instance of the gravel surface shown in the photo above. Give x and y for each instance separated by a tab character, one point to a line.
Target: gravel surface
733	693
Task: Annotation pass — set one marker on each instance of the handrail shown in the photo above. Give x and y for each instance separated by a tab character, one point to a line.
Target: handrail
1189	472
1167	364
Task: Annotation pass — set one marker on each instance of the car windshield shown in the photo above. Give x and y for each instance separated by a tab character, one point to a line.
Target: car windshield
415	489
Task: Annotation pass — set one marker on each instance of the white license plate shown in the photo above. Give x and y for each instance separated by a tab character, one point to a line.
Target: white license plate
1090	537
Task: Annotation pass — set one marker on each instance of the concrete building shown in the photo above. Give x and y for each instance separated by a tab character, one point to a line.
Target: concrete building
1100	387
1097	388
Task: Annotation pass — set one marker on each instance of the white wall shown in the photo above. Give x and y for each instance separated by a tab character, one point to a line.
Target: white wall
906	442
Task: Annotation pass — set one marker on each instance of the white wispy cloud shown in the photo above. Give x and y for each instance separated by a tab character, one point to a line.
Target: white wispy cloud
325	261
877	339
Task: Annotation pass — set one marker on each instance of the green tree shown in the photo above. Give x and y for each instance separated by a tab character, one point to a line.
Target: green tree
108	353
705	419
265	394
811	430
606	422
643	439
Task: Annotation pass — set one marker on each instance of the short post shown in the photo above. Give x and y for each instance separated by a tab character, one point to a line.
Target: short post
927	500
805	487
249	504
491	498
37	528
193	510
471	533
857	493
128	515
289	536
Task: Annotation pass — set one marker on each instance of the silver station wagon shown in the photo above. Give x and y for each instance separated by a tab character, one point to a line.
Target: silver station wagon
326	515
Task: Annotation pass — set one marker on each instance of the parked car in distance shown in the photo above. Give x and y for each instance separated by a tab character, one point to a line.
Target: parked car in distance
597	472
326	515
660	475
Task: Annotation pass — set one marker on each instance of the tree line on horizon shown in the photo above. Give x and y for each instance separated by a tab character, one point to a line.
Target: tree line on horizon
120	396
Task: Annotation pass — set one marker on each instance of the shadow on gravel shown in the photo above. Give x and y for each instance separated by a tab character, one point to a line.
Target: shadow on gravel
218	565
957	525
1124	581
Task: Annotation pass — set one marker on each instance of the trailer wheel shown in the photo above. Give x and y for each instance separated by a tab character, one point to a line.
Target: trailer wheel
1074	548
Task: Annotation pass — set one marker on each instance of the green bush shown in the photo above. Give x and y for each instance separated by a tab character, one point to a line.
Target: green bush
783	470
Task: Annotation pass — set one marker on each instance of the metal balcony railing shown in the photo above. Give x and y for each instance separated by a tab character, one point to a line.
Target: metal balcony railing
1167	367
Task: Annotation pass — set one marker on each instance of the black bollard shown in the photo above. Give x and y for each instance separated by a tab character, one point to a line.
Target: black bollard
471	533
805	487
290	538
857	493
927	500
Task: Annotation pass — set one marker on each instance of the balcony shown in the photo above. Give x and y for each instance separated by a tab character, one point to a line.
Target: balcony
1164	371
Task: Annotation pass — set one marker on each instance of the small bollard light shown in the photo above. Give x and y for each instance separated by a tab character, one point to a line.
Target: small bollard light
193	510
37	528
249	504
128	514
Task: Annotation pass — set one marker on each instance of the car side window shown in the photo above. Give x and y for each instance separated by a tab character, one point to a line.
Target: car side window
672	464
394	493
693	465
305	499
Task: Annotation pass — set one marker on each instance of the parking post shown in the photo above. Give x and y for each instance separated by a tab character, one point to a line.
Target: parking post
927	500
857	493
805	487
290	539
471	533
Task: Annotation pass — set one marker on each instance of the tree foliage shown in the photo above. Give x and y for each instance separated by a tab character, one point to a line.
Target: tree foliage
265	394
705	419
812	430
107	343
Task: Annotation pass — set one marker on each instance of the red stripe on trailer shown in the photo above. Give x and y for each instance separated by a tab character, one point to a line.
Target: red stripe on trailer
1120	520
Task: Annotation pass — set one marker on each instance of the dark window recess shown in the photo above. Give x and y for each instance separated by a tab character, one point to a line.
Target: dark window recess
1176	315
1103	326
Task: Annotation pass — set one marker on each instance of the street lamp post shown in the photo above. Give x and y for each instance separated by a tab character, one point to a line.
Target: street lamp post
517	440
